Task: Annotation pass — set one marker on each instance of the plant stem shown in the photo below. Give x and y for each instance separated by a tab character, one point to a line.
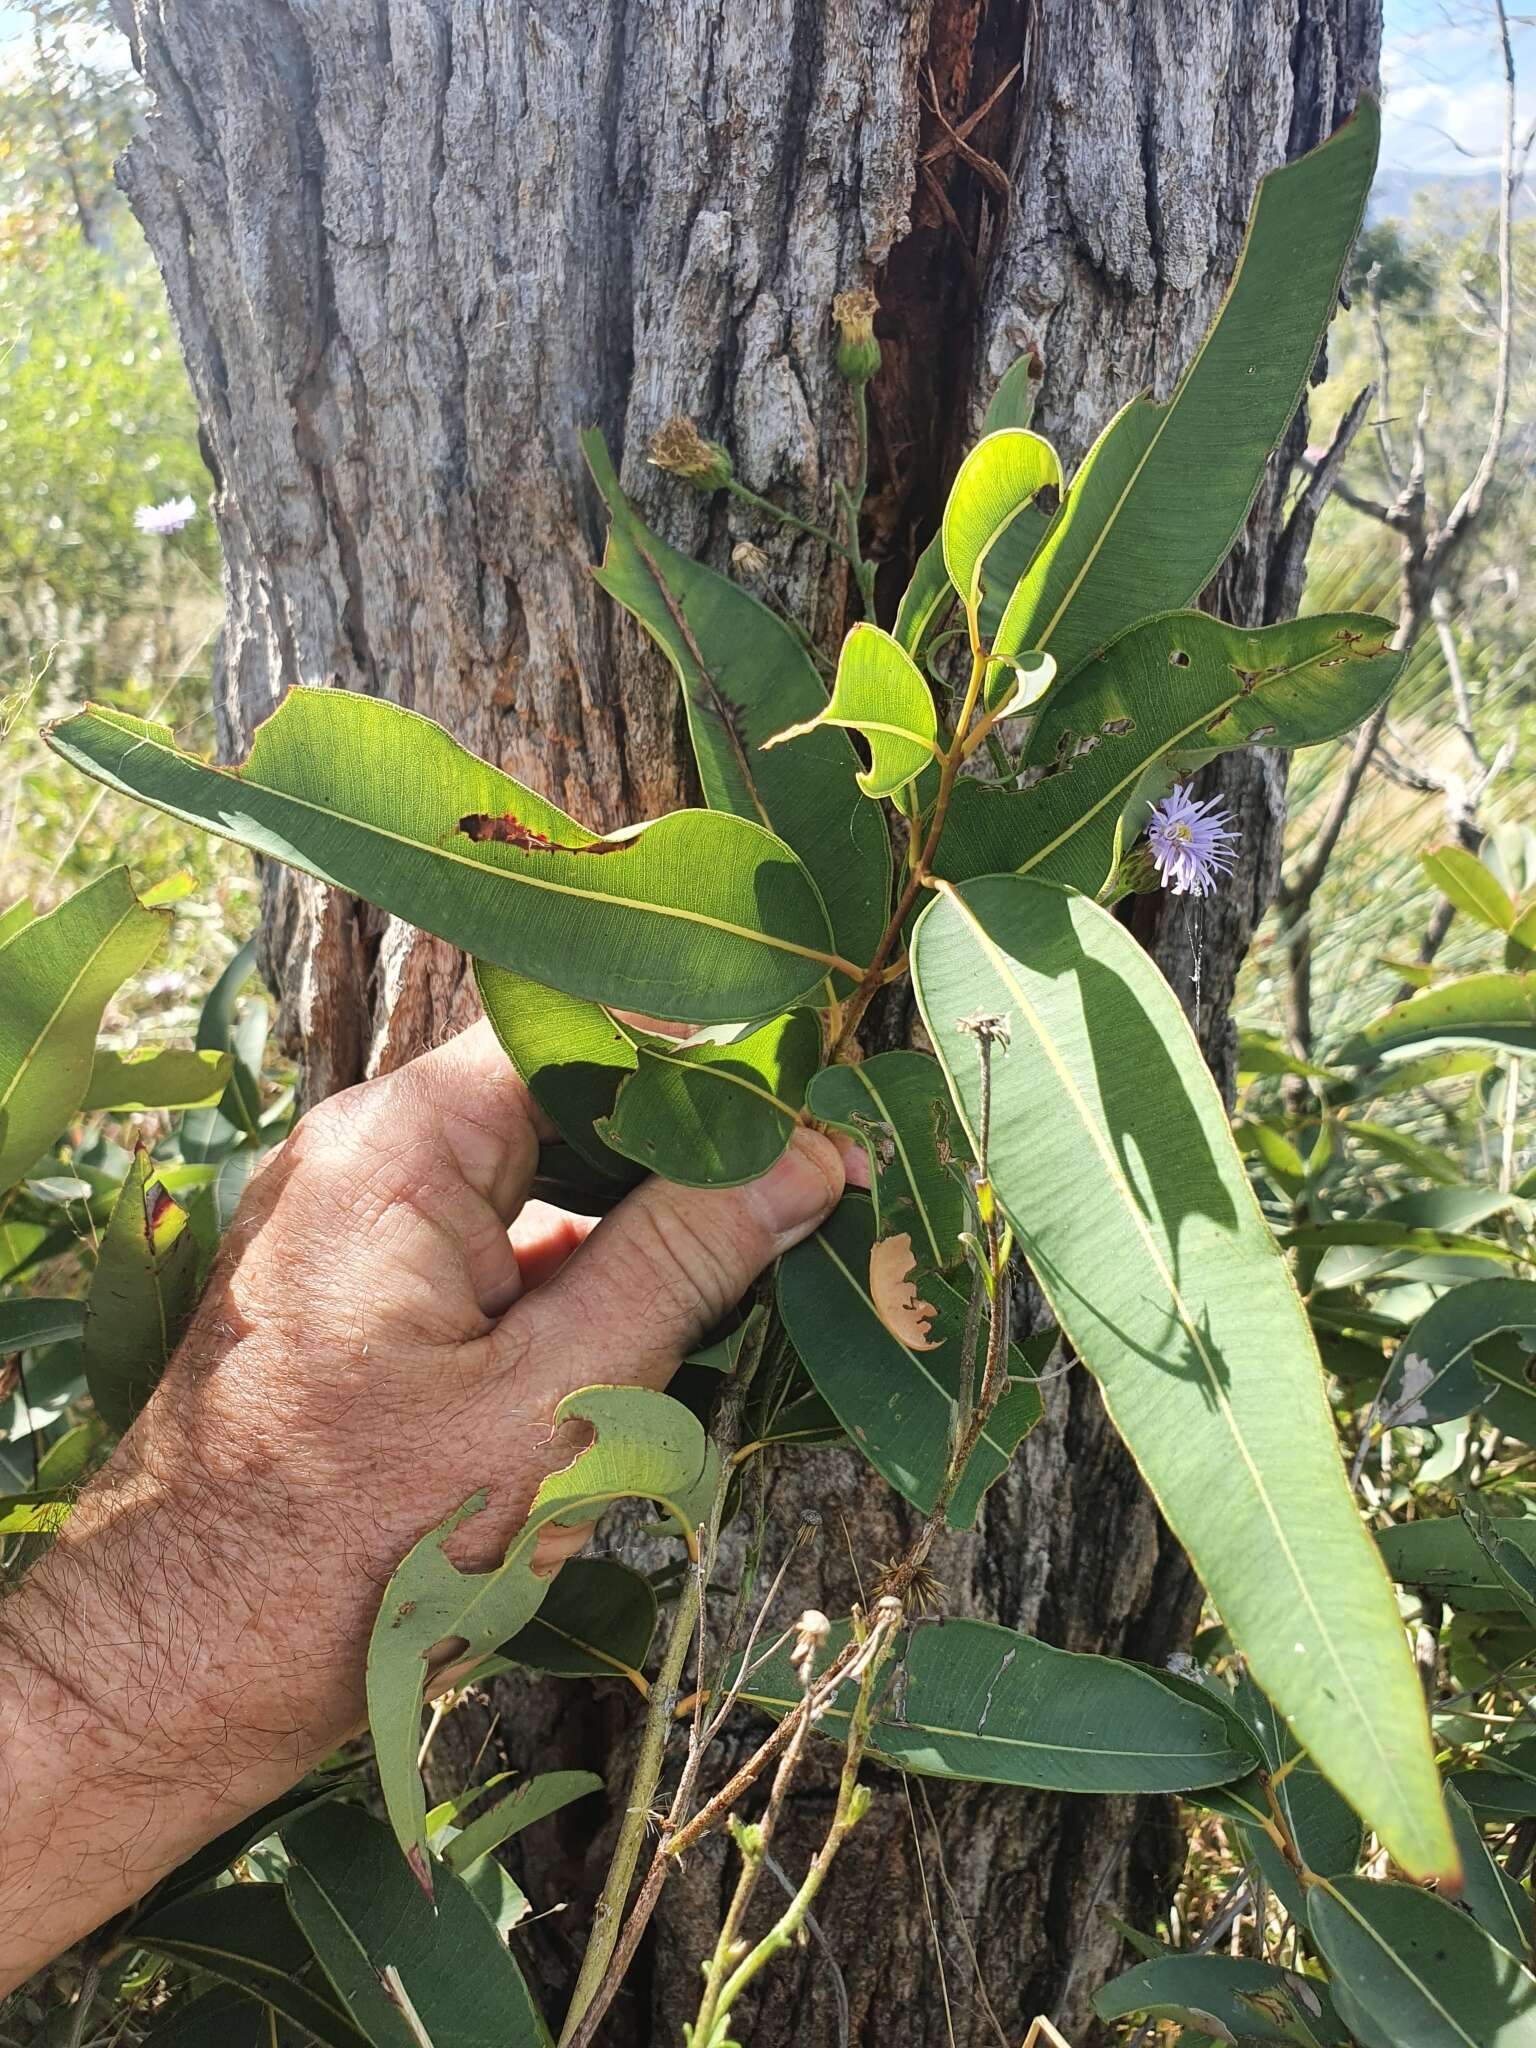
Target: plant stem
708	2029
597	1979
607	1920
738	489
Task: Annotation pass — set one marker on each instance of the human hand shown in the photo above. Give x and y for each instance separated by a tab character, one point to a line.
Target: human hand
374	1347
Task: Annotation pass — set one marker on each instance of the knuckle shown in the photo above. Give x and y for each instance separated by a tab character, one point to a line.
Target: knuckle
688	1267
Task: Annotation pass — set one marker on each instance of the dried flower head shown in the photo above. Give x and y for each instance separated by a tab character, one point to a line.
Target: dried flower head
681	450
989	1027
811	1632
749	559
1192	843
858	352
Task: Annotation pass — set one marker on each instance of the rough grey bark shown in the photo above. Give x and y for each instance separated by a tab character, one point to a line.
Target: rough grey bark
413	246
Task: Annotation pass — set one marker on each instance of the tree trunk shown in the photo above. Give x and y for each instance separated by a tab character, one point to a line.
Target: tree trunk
413	246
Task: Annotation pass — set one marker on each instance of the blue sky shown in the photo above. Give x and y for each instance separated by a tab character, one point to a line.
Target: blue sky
1440	67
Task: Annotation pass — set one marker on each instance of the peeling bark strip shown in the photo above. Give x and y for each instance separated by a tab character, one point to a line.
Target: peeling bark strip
413	248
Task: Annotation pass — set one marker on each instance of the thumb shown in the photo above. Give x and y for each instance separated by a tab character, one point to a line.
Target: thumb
663	1268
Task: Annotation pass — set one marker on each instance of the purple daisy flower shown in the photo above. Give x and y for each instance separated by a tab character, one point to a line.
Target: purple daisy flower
1192	843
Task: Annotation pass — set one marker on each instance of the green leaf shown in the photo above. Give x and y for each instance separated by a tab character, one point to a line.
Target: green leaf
744	675
1520	946
532	1802
365	1914
222	2018
897	1106
967	1700
1500	1795
1500	1907
1322	1826
1404	1149
878	691
1477	1009
597	1621
206	1865
570	1053
142	1293
1515	1572
1419	1970
211	1134
1249	2000
1377	1084
1258	1052
59	972
28	1325
924	600
12	920
701	916
244	1935
1433	1377
1463	878
897	1404
646	1446
1443	1557
1354	1252
1183	682
930	591
1003	474
1113	1161
1166	488
1508	1372
172	1079
714	1115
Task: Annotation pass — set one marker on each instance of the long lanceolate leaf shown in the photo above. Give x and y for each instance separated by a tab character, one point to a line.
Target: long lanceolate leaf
1410	1968
1178	684
967	1700
701	916
646	1447
744	677
1164	491
57	974
1112	1157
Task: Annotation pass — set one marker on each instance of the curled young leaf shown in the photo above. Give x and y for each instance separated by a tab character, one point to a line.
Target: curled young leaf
879	692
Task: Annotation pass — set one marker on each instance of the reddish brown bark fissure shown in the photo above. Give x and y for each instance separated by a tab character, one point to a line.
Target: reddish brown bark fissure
413	247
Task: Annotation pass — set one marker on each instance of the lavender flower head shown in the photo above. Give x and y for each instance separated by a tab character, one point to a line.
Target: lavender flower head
1192	843
170	517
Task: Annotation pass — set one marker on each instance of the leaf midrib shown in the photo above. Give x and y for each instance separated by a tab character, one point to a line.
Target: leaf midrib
25	1064
1400	1961
480	867
1002	967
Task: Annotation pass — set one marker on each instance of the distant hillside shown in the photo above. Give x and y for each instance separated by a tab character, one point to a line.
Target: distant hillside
1445	197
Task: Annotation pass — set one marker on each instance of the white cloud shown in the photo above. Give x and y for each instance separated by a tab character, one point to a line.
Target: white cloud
1444	96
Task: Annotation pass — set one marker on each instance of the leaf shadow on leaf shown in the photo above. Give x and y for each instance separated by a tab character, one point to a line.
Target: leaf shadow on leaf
1172	1176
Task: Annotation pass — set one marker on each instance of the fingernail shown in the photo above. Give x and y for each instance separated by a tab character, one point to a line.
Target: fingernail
794	1196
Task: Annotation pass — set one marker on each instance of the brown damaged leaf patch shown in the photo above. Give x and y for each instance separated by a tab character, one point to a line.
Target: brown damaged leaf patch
894	1293
506	830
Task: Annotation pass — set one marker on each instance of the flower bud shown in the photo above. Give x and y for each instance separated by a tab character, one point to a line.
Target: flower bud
681	450
858	352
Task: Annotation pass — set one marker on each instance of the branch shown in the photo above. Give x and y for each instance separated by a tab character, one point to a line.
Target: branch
1440	612
1383	380
1465	512
1288	571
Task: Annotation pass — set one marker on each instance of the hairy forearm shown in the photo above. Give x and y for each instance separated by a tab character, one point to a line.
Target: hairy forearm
150	1696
